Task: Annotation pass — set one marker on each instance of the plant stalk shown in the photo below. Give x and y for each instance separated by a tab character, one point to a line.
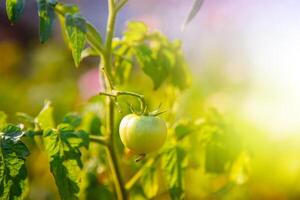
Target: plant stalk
112	157
106	69
110	29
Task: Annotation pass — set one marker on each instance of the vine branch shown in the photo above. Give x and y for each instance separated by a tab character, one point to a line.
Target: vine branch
106	68
115	94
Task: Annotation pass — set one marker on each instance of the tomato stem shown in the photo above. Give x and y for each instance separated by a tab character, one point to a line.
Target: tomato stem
111	153
114	94
106	68
92	138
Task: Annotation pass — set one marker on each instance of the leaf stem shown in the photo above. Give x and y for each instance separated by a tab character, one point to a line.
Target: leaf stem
140	97
116	94
138	174
98	139
92	138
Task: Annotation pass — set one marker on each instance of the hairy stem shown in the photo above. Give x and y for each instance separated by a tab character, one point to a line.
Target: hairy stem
110	28
112	157
106	69
141	98
103	74
114	94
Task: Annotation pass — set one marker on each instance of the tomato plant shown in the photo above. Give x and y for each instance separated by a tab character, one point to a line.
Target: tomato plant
154	56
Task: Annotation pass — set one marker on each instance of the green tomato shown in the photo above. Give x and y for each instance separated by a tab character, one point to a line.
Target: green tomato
143	134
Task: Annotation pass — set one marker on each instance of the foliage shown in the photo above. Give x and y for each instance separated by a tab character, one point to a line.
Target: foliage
172	163
13	173
46	16
158	57
14	9
139	51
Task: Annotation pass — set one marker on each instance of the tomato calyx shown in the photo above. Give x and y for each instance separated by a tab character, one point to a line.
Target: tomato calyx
143	111
156	112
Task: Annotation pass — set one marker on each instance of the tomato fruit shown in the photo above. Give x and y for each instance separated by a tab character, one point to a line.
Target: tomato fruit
143	134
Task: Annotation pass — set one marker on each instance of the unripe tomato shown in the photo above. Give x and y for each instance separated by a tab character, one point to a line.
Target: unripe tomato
143	134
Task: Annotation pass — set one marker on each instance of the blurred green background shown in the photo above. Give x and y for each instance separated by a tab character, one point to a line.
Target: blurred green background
244	62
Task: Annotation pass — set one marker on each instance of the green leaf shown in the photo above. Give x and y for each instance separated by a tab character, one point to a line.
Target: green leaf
155	63
222	143
182	129
193	12
76	34
92	188
73	119
12	132
63	9
14	9
221	150
123	71
136	31
150	182
160	59
26	117
179	75
87	52
46	18
62	145
122	61
13	173
91	123
185	127
93	37
45	117
172	162
156	69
